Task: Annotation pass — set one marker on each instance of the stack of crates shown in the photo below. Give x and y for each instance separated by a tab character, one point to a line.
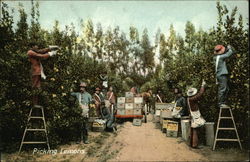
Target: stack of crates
138	105
121	106
129	105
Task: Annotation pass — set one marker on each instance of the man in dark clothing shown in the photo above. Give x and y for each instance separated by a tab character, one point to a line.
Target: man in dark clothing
180	101
221	54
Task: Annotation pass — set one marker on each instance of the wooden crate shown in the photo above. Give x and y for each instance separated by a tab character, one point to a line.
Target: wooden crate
97	127
120	105
121	112
138	100
165	123
172	126
129	99
137	112
121	100
159	106
166	113
137	122
171	133
129	94
129	112
129	105
137	105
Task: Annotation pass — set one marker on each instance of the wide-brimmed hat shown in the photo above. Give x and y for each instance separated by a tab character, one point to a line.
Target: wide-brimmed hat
191	92
83	84
97	89
219	49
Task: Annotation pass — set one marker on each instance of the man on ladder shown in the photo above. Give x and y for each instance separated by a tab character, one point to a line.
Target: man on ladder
221	54
35	56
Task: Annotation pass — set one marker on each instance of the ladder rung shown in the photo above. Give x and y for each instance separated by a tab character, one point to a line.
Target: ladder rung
35	142
226	139
36	117
226	128
35	129
225	107
38	106
226	117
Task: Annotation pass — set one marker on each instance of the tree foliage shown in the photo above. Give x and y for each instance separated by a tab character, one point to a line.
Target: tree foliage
128	61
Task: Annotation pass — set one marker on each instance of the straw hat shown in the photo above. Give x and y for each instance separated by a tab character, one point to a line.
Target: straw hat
219	49
191	92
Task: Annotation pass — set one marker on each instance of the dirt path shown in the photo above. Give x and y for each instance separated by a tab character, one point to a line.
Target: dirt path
134	143
148	143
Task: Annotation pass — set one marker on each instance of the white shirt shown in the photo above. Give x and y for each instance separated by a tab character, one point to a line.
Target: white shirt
217	62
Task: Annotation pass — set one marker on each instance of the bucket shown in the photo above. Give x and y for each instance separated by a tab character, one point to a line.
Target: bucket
209	127
185	129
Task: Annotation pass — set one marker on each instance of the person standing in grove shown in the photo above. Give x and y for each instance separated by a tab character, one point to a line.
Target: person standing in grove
98	101
193	100
84	99
221	54
111	97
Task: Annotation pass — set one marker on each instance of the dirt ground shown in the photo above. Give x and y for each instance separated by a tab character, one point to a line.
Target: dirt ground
133	143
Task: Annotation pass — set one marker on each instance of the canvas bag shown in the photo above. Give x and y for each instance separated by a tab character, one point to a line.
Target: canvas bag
85	108
176	111
107	102
196	119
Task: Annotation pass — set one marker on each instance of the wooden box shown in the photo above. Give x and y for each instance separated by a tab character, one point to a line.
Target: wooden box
121	100
138	100
169	106
166	114
159	106
129	105
120	105
137	105
121	112
171	133
97	127
165	123
172	126
129	94
129	99
137	122
129	112
137	112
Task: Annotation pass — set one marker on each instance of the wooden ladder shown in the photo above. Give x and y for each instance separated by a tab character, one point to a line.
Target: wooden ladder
35	129
226	128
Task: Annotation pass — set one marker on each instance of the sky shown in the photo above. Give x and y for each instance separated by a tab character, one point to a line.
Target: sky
152	15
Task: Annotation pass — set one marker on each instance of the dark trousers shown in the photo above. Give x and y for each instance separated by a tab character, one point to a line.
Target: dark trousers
223	89
194	140
84	129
